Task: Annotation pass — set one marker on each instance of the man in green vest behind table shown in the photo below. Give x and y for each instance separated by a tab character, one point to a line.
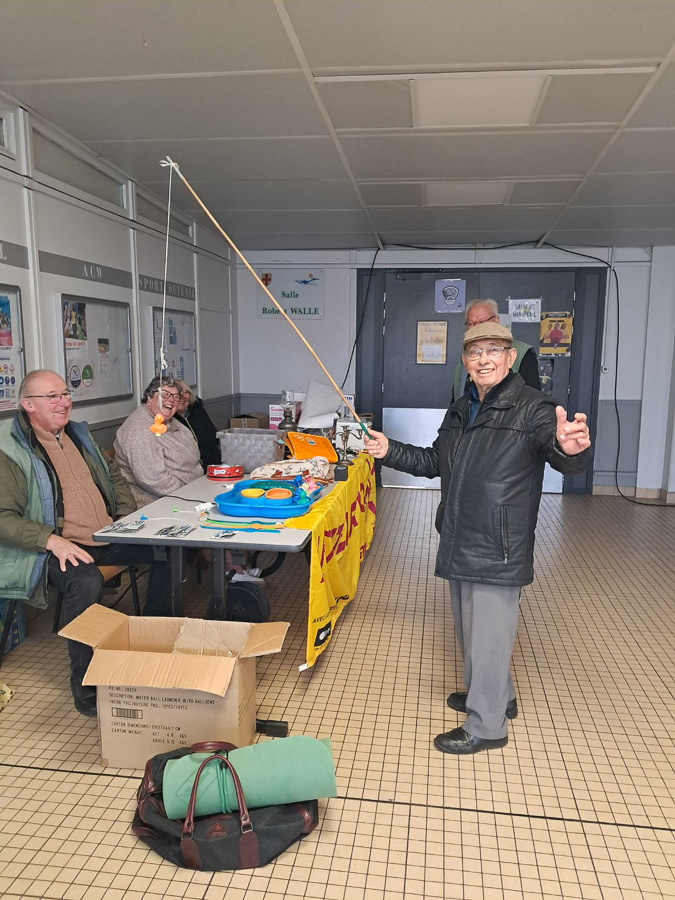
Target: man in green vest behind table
526	364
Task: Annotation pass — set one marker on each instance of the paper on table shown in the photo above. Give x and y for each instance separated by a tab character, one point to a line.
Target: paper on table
319	406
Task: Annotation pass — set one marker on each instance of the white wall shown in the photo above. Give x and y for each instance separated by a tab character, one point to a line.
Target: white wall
42	215
271	356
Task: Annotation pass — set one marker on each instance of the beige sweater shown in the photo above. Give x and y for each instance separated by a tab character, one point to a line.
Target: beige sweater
156	465
84	509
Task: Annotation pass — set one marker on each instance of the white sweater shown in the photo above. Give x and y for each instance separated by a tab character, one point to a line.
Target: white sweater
155	465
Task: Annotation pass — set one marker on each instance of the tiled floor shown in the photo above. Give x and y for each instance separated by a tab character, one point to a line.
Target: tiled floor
581	803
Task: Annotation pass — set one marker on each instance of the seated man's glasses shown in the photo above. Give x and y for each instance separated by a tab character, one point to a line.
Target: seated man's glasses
492	352
52	398
480	321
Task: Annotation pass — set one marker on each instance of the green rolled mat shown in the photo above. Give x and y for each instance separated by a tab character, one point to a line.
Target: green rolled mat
286	770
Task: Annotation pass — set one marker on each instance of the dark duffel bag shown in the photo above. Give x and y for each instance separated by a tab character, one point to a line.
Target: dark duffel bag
239	840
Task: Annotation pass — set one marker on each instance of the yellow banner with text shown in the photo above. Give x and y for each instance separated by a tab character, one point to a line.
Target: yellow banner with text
342	527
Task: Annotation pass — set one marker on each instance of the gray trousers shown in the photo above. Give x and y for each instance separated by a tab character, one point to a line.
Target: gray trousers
486	621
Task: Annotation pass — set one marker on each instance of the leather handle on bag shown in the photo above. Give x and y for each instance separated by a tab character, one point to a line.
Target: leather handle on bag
248	842
211	747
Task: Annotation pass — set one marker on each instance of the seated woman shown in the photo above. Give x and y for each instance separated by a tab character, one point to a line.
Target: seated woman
156	465
190	408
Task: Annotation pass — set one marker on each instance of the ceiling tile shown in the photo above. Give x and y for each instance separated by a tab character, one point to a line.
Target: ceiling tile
641	151
391	194
526	192
367	104
475	217
307	221
630	237
439	34
590	98
262	195
224	106
607	190
474	156
658	107
300	240
71	39
607	217
301	158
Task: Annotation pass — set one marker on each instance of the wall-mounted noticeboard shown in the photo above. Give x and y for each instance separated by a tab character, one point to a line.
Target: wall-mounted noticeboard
180	344
97	348
11	347
432	343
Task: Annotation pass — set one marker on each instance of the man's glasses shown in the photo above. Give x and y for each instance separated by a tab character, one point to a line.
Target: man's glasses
169	396
492	352
51	398
480	321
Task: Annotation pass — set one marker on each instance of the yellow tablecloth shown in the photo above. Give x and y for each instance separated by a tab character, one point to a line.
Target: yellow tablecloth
342	528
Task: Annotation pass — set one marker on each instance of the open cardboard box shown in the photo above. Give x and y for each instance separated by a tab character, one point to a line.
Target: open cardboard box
164	683
250	420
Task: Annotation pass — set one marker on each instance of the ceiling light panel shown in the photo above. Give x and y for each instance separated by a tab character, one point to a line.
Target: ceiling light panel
465	193
476	100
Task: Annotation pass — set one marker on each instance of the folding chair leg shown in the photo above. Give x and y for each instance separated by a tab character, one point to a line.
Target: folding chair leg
134	590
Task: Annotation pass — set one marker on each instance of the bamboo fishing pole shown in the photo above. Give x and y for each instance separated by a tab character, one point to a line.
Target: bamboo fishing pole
169	162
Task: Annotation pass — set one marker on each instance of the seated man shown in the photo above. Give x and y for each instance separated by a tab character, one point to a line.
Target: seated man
156	465
56	489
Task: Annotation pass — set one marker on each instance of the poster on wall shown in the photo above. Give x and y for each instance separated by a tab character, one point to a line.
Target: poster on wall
555	334
546	374
180	344
525	310
96	348
11	347
449	295
299	292
432	343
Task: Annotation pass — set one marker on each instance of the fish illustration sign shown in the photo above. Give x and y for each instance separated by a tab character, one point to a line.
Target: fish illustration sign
299	291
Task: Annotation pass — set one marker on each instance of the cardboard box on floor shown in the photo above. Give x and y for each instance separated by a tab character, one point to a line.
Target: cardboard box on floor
250	420
164	683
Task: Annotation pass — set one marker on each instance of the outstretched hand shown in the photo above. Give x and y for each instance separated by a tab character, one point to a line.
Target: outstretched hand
377	445
573	437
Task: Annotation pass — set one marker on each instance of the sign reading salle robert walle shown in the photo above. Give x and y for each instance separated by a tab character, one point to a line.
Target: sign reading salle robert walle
299	292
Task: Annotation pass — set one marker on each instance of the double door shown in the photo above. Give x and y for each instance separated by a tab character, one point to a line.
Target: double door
416	395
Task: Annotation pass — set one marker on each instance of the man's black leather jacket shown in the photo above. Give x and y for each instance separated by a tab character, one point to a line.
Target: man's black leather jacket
491	475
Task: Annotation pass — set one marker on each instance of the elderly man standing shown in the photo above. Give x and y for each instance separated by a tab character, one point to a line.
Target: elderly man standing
526	364
490	454
56	489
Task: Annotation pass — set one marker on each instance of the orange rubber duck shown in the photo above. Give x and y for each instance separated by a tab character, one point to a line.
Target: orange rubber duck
158	427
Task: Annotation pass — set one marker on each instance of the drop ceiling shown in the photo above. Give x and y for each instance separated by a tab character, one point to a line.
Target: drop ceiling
307	124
